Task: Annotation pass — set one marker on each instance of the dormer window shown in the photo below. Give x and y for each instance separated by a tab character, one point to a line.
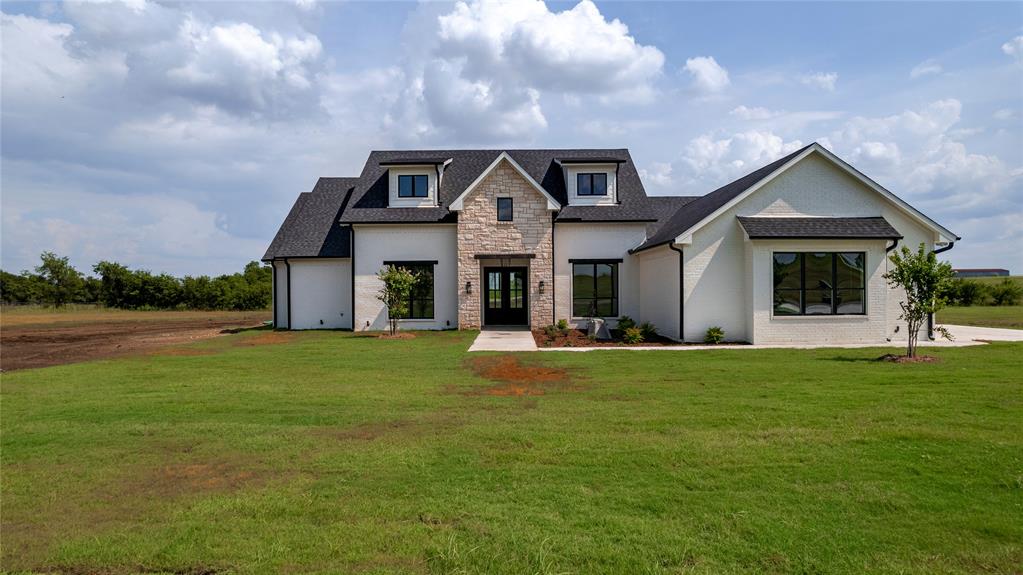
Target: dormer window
591	184
413	186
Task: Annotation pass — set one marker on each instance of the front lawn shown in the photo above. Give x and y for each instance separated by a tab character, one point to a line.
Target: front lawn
269	452
1007	316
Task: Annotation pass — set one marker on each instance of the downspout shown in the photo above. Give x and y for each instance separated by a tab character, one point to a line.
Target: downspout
287	265
554	263
351	261
681	292
930	318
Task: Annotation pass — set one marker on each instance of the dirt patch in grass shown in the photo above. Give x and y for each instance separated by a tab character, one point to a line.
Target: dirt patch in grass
893	358
183	479
65	341
513	377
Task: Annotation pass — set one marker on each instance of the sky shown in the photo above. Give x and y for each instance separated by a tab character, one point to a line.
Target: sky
175	137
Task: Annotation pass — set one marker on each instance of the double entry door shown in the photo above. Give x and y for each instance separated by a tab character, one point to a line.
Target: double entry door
504	296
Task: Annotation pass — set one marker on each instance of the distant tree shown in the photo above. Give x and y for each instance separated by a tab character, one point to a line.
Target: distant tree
926	283
397	285
1006	292
966	292
63	281
22	288
115	280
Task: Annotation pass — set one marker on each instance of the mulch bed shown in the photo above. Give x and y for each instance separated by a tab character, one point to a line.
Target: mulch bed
578	338
892	358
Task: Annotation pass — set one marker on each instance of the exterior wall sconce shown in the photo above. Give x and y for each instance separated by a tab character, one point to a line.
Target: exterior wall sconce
468	287
541	286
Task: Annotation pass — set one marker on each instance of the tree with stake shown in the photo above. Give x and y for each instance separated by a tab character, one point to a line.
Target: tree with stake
395	292
926	282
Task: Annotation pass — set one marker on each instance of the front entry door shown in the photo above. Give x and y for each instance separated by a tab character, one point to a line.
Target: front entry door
504	296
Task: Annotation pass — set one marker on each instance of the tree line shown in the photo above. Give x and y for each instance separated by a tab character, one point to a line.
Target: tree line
965	292
56	282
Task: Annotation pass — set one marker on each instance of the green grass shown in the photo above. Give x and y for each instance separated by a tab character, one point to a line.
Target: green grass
340	454
1008	316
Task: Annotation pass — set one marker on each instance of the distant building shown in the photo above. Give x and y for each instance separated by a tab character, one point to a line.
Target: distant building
980	272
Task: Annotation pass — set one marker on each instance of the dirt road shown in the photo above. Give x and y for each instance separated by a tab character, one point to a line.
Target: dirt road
40	339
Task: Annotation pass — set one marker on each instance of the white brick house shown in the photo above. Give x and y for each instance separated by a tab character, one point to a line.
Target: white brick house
793	252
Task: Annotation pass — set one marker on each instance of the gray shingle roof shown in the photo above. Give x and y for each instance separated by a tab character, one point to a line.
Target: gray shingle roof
311	228
704	206
368	203
818	228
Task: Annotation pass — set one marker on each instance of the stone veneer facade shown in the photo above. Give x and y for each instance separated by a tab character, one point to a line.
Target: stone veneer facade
531	231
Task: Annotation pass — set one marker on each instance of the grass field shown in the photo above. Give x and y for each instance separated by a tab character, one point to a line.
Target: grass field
267	452
1007	316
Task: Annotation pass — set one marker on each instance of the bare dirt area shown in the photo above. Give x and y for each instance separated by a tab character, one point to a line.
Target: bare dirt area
515	378
41	339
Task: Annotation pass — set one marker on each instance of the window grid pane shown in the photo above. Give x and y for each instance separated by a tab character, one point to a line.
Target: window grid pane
594	290
819	283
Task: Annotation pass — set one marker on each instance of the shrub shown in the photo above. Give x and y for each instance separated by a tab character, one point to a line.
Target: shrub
625	322
714	335
1006	292
966	292
551	331
648	330
563	326
633	335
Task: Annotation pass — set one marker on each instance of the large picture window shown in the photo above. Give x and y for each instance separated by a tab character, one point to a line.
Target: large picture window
413	186
591	184
420	304
820	283
595	289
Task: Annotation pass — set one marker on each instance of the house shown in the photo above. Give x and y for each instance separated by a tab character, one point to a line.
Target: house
793	252
980	272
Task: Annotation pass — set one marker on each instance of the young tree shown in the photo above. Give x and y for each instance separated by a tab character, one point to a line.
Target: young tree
926	282
397	287
63	281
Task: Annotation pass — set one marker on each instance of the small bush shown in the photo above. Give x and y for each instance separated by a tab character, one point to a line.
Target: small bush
633	335
1006	292
551	331
625	322
648	330
563	326
714	335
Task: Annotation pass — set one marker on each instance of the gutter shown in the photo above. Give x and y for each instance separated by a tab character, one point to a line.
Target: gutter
930	318
681	292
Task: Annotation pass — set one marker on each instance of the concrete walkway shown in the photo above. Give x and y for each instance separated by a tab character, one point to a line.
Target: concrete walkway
982	334
504	339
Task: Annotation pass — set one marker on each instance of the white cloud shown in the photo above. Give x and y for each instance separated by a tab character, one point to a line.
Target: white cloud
708	161
925	68
820	80
658	175
756	113
1014	48
482	68
708	76
1004	114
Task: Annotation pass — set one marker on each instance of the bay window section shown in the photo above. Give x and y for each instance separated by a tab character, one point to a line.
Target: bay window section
595	289
819	283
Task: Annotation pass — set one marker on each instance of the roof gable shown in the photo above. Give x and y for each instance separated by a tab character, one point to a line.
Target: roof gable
456	204
699	213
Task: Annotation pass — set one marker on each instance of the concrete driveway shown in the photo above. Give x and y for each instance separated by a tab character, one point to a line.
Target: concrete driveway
972	333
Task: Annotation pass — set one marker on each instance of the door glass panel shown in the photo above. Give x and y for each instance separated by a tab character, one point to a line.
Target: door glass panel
494	290
515	290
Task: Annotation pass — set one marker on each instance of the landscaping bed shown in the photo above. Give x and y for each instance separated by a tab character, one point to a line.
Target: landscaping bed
578	338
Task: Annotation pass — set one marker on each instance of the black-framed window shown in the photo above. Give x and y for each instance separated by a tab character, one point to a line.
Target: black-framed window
591	184
595	289
820	283
413	186
505	212
420	303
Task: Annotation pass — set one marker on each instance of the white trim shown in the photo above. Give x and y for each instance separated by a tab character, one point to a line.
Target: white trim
943	234
456	205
